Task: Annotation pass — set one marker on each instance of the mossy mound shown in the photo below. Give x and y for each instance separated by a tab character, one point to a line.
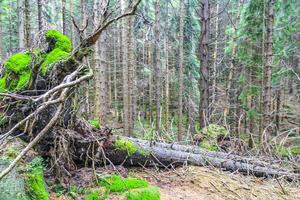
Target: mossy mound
131	188
17	73
12	185
148	193
118	184
35	183
18	70
60	46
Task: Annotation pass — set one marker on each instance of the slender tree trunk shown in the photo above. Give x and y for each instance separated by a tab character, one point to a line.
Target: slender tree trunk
157	67
1	37
40	14
20	5
131	71
215	58
126	92
181	71
63	12
231	92
72	33
204	60
268	70
27	23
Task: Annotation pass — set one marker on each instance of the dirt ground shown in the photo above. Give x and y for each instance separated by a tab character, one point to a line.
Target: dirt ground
198	183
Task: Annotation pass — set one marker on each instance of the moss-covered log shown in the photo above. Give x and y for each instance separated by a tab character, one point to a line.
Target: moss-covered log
135	152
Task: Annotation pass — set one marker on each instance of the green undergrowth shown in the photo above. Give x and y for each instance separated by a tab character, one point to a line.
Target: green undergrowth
34	181
95	195
95	123
132	188
284	151
148	193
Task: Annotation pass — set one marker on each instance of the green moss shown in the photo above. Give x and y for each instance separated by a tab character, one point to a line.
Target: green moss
208	146
35	183
62	42
126	145
93	196
148	193
18	62
95	123
17	73
118	184
54	56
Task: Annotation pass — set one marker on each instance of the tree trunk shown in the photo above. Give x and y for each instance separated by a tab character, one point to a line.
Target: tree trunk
125	71
268	71
40	14
204	60
27	24
157	67
181	71
166	155
20	4
63	12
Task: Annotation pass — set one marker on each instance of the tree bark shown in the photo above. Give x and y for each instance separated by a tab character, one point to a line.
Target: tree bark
204	61
181	71
157	67
20	4
40	14
268	71
27	24
63	12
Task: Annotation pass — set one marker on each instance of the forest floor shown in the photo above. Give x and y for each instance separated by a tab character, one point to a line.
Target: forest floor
198	183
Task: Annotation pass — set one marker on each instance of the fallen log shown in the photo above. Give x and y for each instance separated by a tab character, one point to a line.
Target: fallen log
166	155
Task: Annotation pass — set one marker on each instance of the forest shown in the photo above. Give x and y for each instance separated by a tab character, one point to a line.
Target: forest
149	99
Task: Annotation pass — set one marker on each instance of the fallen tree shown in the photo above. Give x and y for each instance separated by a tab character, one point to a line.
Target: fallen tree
132	151
38	109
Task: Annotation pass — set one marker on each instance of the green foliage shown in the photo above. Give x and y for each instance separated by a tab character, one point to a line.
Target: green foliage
211	147
61	41
34	179
95	123
118	184
17	73
148	193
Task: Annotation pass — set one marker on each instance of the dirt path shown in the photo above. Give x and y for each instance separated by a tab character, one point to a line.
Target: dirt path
198	183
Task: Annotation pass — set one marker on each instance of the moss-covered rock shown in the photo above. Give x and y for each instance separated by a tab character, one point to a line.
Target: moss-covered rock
35	183
148	193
